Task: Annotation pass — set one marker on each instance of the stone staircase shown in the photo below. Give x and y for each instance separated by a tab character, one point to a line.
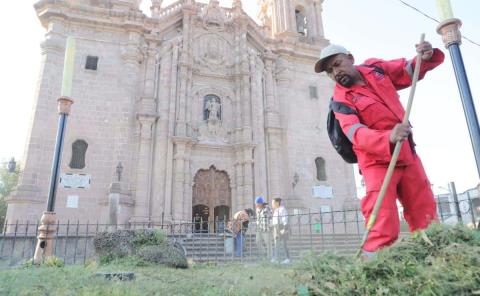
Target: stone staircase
217	247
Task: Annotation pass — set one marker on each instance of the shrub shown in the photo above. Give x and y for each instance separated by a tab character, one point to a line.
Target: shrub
143	245
166	253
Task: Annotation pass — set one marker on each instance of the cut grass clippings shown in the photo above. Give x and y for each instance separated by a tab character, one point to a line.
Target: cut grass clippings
451	266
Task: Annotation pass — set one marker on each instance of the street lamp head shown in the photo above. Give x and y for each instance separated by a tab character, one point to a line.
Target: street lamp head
12	165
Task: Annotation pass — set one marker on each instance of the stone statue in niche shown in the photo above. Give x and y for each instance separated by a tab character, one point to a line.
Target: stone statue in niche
211	130
213	108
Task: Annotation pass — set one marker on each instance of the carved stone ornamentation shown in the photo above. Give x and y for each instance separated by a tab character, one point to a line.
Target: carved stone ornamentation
213	52
212	132
213	15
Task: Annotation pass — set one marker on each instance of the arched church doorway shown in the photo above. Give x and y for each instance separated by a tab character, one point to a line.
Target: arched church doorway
212	190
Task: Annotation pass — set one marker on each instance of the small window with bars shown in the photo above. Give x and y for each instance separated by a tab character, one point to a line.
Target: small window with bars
92	63
313	92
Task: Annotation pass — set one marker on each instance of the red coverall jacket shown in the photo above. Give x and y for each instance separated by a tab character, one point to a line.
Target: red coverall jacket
378	111
379	108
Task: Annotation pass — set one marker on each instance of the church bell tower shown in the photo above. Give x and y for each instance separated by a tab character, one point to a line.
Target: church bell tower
292	18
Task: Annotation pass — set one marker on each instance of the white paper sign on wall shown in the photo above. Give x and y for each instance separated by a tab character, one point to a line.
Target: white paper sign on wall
77	181
72	201
325	209
322	191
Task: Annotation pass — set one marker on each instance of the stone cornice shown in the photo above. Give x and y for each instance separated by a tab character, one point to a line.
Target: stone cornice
132	19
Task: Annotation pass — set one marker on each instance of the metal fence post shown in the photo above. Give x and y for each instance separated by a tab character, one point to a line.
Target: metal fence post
86	242
194	232
163	216
470	205
455	199
216	237
13	244
357	221
76	243
310	228
440	209
322	231
34	239
66	242
224	237
25	240
4	230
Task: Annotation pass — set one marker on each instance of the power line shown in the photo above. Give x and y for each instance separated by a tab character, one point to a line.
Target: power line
435	20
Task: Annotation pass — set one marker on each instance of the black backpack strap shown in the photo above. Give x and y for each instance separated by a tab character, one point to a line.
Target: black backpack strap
375	68
341	108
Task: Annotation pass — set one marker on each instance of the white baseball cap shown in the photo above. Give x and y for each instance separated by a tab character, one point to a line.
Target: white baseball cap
328	52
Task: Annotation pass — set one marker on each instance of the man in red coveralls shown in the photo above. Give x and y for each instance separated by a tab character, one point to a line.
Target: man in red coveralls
376	125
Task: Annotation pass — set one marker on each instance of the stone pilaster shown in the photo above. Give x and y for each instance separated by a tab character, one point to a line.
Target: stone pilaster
188	184
170	134
239	182
273	130
142	188
181	177
185	68
162	131
258	125
248	175
133	58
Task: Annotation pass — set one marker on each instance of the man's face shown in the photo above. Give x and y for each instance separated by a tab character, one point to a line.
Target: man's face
259	206
275	205
341	70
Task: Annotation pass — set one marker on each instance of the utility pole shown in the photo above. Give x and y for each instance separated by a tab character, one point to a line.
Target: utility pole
449	28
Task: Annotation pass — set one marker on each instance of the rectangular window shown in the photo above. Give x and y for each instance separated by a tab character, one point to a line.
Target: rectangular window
92	63
313	92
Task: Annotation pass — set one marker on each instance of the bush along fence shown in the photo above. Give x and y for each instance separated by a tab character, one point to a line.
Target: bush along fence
210	241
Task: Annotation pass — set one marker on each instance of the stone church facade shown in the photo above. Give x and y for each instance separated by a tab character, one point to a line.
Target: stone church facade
194	110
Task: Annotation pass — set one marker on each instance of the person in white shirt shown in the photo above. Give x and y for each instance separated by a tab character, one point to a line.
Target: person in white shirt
280	230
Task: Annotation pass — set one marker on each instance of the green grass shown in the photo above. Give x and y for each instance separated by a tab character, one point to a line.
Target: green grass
236	279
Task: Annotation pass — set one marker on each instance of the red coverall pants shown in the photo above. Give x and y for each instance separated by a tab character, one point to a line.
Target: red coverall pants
377	110
410	185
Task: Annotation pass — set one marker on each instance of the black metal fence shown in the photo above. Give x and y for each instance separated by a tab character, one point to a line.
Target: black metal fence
210	241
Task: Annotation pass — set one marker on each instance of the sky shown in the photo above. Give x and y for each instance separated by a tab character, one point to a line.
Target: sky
369	28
